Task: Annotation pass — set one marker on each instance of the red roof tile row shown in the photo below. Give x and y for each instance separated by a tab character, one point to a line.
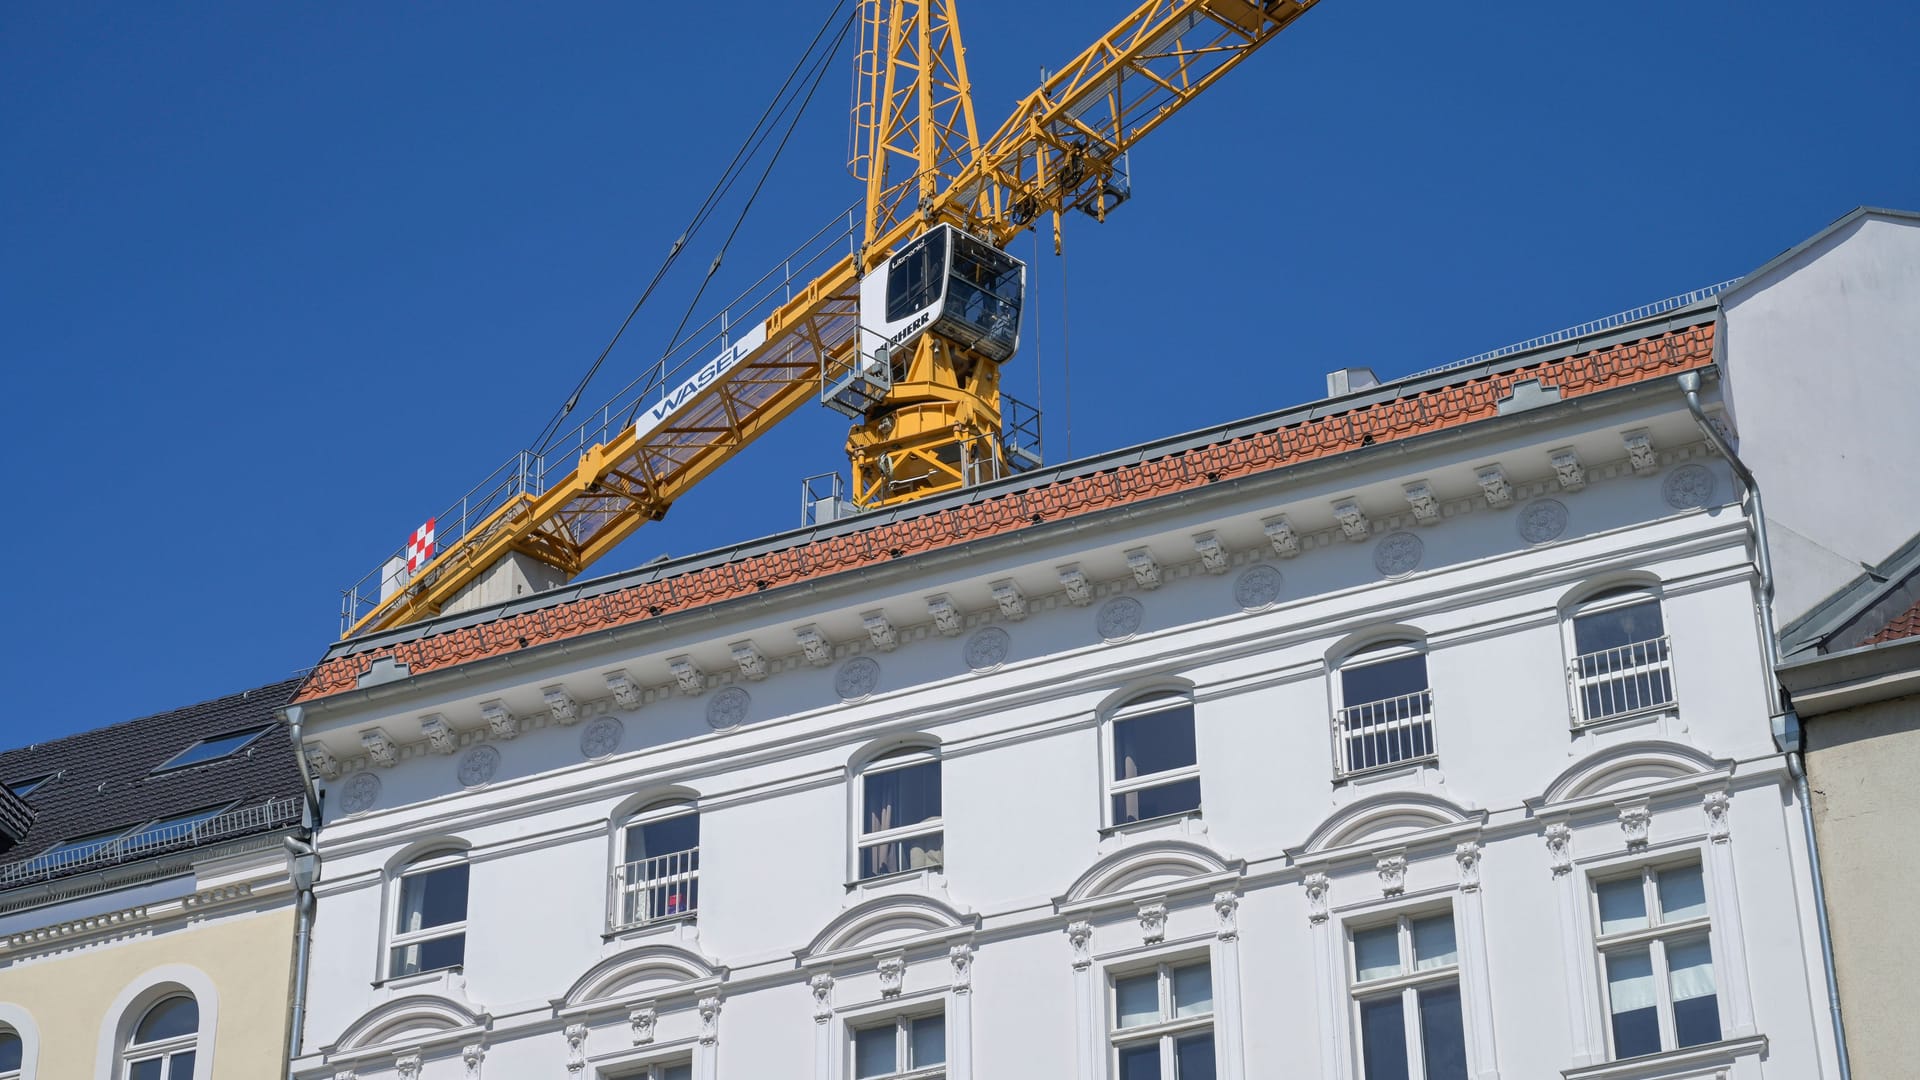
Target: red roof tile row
1418	413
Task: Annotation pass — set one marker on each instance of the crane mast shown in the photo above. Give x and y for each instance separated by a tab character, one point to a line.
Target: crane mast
923	390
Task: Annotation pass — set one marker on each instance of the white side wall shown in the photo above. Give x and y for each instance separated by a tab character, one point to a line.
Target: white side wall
1823	367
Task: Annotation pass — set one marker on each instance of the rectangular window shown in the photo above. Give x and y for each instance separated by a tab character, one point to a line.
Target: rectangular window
1163	1023
902	1046
1622	660
1386	716
1406	994
679	1070
660	878
900	815
430	925
211	749
1156	764
1657	959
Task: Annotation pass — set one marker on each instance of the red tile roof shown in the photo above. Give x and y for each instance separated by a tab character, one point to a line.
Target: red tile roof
1904	625
1418	412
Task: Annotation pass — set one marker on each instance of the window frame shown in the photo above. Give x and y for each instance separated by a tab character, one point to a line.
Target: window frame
618	887
1166	1032
1375	651
1598	602
26	786
1135	706
902	1023
1654	938
657	1070
162	1050
424	863
8	1030
174	763
896	759
1406	985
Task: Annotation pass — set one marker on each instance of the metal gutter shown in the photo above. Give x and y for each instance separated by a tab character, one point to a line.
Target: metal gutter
1785	725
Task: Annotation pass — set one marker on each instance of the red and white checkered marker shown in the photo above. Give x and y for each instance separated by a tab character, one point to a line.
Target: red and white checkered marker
420	547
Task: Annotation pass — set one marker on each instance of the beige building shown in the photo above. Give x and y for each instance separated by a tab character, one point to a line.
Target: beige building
1853	668
148	908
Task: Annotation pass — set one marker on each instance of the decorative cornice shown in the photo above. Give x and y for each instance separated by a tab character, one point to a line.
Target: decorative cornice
1353	521
441	738
380	749
560	704
749	659
1146	569
1074	580
1291	441
817	649
501	723
1567	468
1494	485
626	693
1280	535
880	630
1013	602
946	618
321	760
1420	498
1640	452
1214	558
687	676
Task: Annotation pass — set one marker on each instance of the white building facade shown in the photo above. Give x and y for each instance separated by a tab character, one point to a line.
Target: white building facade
1425	732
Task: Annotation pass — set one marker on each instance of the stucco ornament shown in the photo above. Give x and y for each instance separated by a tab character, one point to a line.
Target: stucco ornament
1153	923
1717	806
478	765
471	1055
1080	937
1688	486
709	1020
1120	618
961	957
1393	875
408	1066
1399	553
1257	587
857	678
1467	854
988	648
1542	520
1560	848
1635	821
602	737
728	709
1226	909
576	1048
822	987
893	975
1317	886
643	1020
359	793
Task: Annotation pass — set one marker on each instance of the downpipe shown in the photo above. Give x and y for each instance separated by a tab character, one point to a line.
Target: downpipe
1783	721
303	866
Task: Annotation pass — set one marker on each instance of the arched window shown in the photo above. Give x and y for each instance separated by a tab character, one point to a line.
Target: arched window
12	1054
1622	661
659	874
162	1044
1385	715
899	817
430	915
1154	762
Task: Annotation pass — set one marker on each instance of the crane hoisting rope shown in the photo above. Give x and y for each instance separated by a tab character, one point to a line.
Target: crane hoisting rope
819	72
749	146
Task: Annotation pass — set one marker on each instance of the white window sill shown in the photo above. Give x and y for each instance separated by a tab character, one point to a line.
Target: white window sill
1395	770
650	927
1673	1063
1628	719
886	882
420	978
1152	824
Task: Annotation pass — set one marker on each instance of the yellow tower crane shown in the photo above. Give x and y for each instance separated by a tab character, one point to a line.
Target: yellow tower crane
900	319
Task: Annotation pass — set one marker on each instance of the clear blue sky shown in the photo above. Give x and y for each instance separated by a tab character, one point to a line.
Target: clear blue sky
277	281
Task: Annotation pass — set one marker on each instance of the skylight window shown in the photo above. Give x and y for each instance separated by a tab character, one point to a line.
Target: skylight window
23	788
211	749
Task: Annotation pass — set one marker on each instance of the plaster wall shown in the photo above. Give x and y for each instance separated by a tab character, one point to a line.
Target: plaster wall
1821	371
1264	882
1860	766
68	993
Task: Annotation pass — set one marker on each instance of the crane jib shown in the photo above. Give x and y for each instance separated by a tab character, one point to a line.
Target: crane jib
660	411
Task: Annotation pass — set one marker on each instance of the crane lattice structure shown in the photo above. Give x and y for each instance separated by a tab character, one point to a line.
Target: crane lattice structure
927	404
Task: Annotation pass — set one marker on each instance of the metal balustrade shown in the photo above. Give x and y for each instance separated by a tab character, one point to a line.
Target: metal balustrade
652	890
147	842
1622	680
1378	734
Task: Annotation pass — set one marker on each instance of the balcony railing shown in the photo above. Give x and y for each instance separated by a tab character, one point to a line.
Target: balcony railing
1379	734
653	890
1622	681
145	843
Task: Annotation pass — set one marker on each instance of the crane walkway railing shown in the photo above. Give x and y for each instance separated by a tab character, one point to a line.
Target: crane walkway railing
528	473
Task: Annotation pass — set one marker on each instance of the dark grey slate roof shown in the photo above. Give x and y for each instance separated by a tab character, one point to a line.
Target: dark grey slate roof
16	817
1859	609
103	780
